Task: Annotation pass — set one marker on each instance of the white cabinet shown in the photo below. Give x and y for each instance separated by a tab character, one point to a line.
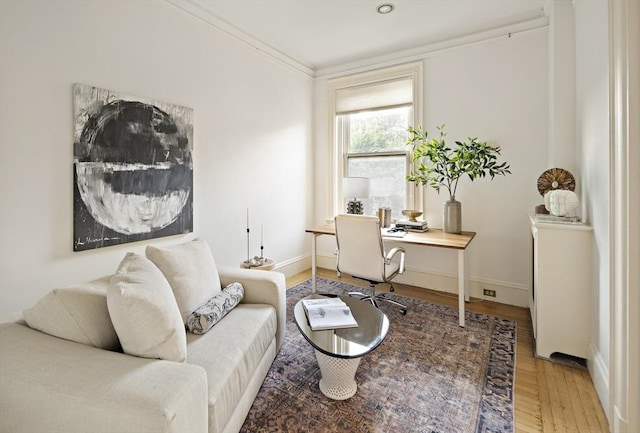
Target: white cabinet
560	299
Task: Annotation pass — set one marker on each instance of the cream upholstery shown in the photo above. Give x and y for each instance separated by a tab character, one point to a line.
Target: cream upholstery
48	384
361	254
191	271
52	385
261	287
144	311
238	344
78	313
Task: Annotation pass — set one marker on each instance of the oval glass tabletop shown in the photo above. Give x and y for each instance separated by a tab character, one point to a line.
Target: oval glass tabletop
373	326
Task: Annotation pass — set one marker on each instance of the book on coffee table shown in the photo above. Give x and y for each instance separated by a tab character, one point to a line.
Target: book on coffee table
328	313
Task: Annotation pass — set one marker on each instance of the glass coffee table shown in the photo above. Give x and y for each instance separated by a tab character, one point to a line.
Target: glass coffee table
338	351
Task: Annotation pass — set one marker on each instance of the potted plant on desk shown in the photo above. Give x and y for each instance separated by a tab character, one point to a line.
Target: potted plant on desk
447	165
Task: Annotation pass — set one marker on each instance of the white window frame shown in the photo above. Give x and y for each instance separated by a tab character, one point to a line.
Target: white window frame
412	71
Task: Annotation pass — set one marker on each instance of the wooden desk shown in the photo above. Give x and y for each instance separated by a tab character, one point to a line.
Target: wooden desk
433	238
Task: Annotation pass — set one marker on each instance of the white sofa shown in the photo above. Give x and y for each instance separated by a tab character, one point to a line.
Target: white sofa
51	384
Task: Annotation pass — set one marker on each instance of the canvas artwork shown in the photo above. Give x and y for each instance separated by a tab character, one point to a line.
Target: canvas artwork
133	168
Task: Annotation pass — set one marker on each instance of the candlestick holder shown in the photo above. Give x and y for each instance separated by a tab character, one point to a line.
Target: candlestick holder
256	262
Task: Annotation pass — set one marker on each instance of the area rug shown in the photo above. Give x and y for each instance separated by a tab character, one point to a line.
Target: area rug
429	375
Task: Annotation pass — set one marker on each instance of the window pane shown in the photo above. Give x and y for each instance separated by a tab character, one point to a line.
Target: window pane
392	171
380	130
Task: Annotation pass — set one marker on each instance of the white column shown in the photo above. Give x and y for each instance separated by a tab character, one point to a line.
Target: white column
624	37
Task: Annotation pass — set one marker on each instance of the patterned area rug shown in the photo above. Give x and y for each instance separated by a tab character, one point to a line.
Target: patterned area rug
429	375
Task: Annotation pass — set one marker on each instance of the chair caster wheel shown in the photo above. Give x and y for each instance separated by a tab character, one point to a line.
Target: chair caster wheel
403	312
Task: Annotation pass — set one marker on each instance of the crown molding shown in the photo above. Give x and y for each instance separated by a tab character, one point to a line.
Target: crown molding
229	29
424	51
402	56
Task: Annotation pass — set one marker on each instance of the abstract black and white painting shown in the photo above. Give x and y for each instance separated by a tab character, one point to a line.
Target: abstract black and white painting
133	168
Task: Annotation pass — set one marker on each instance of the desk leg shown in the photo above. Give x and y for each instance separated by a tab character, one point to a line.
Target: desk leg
462	293
314	252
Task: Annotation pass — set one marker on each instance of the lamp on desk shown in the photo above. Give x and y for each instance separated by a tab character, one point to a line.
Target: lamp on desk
354	188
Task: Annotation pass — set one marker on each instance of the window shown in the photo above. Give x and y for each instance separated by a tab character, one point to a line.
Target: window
375	147
371	113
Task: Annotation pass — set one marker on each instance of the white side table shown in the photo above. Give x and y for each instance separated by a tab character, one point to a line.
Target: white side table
268	265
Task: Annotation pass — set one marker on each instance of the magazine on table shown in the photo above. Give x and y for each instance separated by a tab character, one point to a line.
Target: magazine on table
328	313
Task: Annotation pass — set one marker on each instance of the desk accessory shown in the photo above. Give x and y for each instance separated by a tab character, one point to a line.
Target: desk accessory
384	215
413	226
394	232
551	180
354	188
256	261
411	214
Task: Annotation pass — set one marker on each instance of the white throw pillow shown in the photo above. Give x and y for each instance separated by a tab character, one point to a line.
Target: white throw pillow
78	313
144	311
191	272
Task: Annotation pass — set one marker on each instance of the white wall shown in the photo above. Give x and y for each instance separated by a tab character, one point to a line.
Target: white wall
496	90
562	89
592	122
152	50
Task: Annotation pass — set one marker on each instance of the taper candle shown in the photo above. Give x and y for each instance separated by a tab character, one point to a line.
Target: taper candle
248	246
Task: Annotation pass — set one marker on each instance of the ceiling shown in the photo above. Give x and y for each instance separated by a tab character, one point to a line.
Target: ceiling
323	34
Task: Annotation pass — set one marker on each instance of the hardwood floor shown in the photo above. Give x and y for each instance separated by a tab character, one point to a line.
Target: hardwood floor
549	397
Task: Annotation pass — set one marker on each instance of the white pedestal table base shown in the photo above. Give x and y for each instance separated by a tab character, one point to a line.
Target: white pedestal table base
338	376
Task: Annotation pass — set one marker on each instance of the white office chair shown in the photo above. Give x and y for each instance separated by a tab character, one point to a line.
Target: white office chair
361	254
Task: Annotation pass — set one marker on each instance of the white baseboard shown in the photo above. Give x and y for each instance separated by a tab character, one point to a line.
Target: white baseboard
600	376
506	293
294	266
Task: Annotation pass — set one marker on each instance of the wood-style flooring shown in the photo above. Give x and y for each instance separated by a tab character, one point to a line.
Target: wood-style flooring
549	397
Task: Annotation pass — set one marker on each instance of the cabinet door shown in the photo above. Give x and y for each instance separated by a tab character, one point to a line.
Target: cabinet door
562	289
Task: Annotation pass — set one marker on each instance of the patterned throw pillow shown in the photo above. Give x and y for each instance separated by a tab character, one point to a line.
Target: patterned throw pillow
203	319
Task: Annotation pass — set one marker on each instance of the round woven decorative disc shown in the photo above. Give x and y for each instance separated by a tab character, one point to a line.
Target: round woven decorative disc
555	178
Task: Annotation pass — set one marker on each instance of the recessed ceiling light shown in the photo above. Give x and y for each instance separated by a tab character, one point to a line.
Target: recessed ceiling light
385	8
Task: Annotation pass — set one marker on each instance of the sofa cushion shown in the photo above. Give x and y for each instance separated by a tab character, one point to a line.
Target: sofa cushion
201	320
53	385
78	313
191	272
231	353
144	311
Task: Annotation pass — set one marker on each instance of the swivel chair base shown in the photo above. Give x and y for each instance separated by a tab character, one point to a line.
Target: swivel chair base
374	297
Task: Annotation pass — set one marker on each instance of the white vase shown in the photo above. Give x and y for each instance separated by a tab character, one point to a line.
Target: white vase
452	216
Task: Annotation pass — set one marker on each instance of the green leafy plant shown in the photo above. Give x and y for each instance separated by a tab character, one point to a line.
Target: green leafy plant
472	157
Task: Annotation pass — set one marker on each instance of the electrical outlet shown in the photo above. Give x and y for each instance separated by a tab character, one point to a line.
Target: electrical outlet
491	293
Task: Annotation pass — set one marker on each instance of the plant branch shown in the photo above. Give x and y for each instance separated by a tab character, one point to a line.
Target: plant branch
446	165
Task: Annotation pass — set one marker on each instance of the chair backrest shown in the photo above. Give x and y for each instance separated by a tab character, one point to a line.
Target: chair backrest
360	248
